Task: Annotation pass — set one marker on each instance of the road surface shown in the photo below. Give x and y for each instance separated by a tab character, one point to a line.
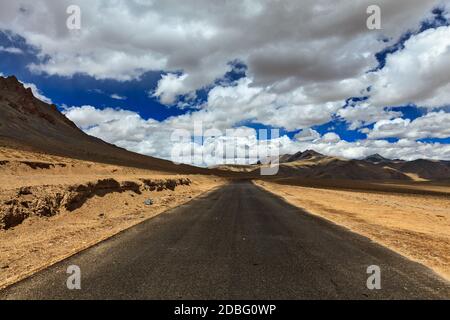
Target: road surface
237	242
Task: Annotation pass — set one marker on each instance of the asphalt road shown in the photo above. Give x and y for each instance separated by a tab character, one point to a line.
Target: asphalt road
238	242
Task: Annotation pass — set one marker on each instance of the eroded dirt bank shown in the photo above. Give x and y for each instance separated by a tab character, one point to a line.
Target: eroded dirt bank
58	221
52	207
16	205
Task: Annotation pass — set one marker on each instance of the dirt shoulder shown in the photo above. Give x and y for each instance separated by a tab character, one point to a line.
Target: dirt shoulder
416	226
40	241
53	207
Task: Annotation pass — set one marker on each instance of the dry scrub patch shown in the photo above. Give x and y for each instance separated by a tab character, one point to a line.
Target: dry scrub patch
84	214
416	226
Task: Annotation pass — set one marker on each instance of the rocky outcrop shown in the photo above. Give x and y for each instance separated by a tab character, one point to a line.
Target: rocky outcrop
77	195
164	184
46	201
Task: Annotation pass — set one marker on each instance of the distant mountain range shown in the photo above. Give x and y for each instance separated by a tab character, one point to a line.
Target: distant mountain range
311	164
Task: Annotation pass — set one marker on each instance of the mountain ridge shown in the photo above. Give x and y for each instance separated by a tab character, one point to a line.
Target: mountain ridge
312	164
31	124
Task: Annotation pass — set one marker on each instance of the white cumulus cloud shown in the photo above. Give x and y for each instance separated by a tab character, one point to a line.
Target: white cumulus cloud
418	74
431	125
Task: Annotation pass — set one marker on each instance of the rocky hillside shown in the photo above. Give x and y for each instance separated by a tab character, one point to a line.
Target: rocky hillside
30	124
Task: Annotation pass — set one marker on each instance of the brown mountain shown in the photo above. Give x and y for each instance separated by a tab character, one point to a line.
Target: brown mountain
312	164
424	169
305	155
376	158
30	124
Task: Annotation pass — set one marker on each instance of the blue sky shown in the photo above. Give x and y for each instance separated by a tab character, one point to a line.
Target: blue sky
264	83
82	89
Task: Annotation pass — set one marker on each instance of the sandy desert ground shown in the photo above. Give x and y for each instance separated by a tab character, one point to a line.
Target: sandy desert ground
67	205
413	220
